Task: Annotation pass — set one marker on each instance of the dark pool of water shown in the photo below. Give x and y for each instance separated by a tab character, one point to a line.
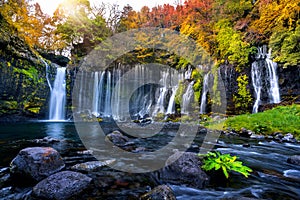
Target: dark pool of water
273	177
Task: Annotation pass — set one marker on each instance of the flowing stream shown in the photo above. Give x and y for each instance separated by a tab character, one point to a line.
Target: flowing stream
273	177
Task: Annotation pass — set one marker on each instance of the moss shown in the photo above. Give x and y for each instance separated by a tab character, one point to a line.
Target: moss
8	107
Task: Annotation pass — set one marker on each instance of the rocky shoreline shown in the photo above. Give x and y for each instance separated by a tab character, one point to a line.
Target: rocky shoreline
71	172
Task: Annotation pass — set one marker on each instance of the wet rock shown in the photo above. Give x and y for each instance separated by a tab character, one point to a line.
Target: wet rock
185	170
61	185
36	163
117	137
245	133
91	166
278	136
289	138
294	160
159	192
257	137
46	140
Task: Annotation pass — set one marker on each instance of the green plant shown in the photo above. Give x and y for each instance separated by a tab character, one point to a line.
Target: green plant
242	98
226	162
260	128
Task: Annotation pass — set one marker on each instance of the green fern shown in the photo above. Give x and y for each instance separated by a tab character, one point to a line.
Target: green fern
226	162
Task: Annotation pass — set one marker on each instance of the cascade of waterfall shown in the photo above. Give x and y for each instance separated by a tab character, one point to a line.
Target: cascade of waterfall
124	93
188	73
257	85
272	76
186	98
107	103
204	93
160	104
58	96
264	76
47	73
95	109
171	105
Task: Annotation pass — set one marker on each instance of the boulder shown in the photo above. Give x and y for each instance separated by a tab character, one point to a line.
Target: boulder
36	163
61	185
185	170
117	137
294	160
159	192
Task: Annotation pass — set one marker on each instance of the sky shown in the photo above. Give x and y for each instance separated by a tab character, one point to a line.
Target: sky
49	6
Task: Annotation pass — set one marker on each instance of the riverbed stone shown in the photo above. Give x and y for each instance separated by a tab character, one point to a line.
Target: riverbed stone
185	170
36	163
61	186
91	165
294	160
159	192
117	137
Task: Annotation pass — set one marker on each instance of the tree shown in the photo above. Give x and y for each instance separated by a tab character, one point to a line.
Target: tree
78	28
27	18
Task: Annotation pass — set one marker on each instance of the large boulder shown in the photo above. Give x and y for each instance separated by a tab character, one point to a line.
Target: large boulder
36	163
159	192
117	138
294	160
61	186
185	170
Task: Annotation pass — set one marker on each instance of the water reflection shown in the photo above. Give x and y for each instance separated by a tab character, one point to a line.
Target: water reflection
55	129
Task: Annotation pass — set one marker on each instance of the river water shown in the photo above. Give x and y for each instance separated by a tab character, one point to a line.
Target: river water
273	177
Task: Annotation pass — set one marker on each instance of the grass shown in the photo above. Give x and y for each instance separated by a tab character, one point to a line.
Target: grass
284	119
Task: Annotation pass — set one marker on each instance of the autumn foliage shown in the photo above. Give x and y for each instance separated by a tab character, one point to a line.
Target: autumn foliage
228	30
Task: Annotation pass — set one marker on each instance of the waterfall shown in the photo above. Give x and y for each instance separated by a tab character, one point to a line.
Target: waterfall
171	105
47	74
274	87
107	103
186	98
264	78
109	93
160	104
58	96
257	85
204	93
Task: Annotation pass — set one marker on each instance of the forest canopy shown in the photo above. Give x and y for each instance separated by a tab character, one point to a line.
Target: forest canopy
229	31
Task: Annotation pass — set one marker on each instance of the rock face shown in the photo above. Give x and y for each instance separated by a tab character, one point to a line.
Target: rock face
23	85
185	170
159	192
61	186
294	160
36	163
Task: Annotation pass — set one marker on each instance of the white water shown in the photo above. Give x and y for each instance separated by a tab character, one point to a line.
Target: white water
171	105
47	74
257	85
263	73
107	108
274	87
110	94
58	96
204	93
186	98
